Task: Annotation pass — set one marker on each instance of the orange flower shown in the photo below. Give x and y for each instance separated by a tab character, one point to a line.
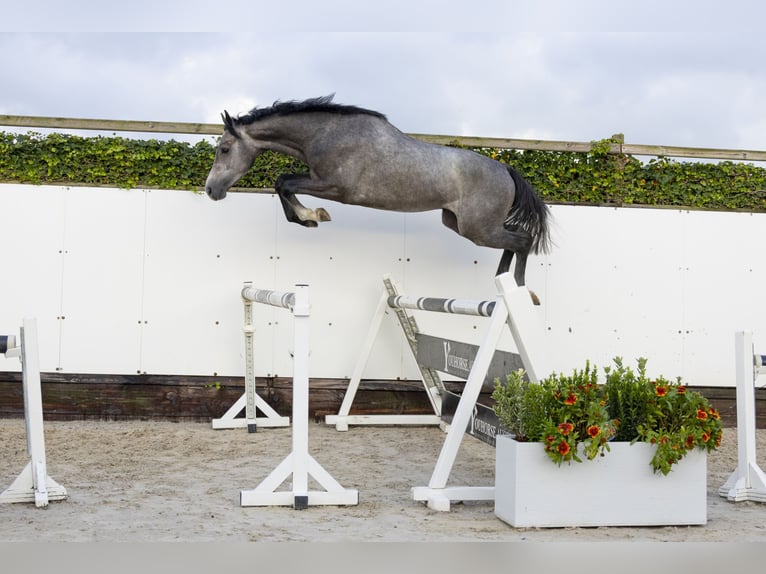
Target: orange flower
549	439
660	390
714	413
564	448
690	441
593	431
681	390
701	415
571	399
565	428
705	437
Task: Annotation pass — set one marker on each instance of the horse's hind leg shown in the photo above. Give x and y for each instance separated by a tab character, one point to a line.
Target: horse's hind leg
505	262
294	210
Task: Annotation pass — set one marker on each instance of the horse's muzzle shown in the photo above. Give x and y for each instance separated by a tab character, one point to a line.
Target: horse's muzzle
215	194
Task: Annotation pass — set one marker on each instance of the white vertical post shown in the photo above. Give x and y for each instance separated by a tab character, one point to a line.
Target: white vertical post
250	409
525	327
748	482
301	312
33	484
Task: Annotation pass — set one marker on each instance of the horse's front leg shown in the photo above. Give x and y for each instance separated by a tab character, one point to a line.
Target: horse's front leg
286	186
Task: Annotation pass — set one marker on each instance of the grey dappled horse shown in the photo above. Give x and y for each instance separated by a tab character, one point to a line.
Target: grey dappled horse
356	157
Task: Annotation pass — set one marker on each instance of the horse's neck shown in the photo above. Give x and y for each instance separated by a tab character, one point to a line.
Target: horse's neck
283	134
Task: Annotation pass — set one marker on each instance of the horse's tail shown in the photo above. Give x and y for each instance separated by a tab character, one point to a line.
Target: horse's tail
529	213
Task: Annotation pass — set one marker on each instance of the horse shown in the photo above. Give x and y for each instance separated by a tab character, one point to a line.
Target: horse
355	156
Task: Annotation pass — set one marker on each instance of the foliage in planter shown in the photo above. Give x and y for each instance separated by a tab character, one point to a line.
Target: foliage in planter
566	413
563	412
663	413
595	178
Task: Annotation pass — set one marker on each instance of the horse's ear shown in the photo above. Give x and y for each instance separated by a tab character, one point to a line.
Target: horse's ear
228	124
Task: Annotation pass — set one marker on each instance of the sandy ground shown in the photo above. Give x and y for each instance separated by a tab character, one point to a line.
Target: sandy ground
162	481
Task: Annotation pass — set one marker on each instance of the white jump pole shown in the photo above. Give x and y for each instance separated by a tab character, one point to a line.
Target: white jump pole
299	463
33	484
748	482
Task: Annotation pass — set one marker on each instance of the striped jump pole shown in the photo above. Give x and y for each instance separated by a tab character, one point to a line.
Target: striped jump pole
299	464
33	484
440	305
748	481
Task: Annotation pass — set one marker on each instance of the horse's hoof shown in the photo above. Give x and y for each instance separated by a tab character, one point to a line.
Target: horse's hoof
535	299
321	214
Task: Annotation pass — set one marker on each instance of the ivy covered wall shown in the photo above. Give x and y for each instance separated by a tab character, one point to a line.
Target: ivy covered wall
594	178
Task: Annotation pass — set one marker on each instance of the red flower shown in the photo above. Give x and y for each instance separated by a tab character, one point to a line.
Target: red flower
565	428
660	390
690	441
705	437
593	431
714	413
549	439
564	448
701	415
681	390
571	399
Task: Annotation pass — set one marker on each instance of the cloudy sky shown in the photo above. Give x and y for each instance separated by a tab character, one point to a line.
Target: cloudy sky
681	72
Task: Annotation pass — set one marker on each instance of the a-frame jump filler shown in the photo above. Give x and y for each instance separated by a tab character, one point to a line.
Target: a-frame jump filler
513	307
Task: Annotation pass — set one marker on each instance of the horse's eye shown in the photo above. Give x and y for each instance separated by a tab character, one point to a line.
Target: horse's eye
224	149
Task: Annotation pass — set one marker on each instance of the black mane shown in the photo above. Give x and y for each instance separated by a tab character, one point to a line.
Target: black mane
321	104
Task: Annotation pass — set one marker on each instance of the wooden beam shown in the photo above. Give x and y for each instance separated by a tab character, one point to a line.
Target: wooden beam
202	398
468	141
110	125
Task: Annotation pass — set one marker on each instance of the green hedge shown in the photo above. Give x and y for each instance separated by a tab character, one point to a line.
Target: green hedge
594	178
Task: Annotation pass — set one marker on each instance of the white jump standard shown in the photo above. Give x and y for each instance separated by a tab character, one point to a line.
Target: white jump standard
251	401
748	482
299	463
513	308
33	484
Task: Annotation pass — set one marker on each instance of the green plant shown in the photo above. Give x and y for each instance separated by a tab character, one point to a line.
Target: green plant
574	413
566	413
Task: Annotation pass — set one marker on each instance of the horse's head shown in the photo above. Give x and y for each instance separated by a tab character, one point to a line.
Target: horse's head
233	158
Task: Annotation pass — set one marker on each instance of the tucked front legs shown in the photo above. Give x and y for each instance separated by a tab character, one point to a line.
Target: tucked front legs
287	186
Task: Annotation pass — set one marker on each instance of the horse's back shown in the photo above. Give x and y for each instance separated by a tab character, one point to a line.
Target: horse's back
380	166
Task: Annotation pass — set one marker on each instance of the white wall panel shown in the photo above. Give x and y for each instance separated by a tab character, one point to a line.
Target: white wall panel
198	254
31	262
102	280
723	285
613	287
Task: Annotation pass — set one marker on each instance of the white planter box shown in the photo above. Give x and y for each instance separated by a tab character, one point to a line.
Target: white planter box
619	489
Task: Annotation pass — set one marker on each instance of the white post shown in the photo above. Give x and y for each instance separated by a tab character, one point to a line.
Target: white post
524	323
748	482
301	312
33	484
